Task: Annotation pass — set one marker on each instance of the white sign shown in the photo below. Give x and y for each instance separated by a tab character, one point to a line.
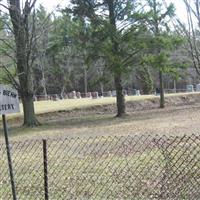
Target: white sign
9	100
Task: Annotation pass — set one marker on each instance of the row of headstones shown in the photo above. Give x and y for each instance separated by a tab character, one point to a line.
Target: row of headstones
78	95
190	88
71	95
95	95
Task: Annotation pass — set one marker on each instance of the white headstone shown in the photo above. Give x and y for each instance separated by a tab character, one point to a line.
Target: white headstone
89	95
134	91
95	95
78	95
9	100
198	87
137	92
72	95
109	93
114	93
190	88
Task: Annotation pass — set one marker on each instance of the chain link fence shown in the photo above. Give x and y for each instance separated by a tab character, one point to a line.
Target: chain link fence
129	167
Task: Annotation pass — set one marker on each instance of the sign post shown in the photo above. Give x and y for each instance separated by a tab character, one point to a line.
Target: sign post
9	103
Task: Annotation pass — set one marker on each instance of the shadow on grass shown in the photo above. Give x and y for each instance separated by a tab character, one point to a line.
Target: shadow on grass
96	121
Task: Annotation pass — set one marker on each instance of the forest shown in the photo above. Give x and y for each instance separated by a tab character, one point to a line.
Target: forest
97	46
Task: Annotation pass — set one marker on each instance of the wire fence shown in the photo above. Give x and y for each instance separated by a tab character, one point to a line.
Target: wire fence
128	167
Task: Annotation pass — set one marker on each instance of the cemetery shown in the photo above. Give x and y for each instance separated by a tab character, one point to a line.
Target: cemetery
86	112
99	100
83	137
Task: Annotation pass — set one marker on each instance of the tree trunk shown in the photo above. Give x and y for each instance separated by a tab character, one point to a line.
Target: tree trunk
29	113
162	97
42	66
20	21
121	111
116	69
62	92
174	86
85	81
102	88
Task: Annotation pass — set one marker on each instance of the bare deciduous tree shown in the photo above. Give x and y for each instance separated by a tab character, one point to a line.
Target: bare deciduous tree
23	28
192	31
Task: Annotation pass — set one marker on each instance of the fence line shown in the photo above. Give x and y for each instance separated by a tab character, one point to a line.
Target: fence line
128	167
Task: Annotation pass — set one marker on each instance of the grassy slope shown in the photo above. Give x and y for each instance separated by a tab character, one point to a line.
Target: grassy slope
98	175
70	104
84	124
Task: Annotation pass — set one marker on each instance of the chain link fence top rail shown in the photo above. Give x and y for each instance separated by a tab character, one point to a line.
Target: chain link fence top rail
129	167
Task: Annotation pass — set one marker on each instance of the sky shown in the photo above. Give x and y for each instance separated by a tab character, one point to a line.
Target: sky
50	5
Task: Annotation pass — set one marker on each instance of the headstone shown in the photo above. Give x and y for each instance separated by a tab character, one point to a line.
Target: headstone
109	94
72	95
78	95
189	88
95	95
137	92
134	91
89	95
198	87
114	93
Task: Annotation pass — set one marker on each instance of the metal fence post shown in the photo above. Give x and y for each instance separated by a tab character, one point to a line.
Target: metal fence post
9	158
45	163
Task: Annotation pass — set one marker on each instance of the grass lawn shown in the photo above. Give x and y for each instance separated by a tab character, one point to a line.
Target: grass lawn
70	104
92	123
104	168
83	123
109	166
